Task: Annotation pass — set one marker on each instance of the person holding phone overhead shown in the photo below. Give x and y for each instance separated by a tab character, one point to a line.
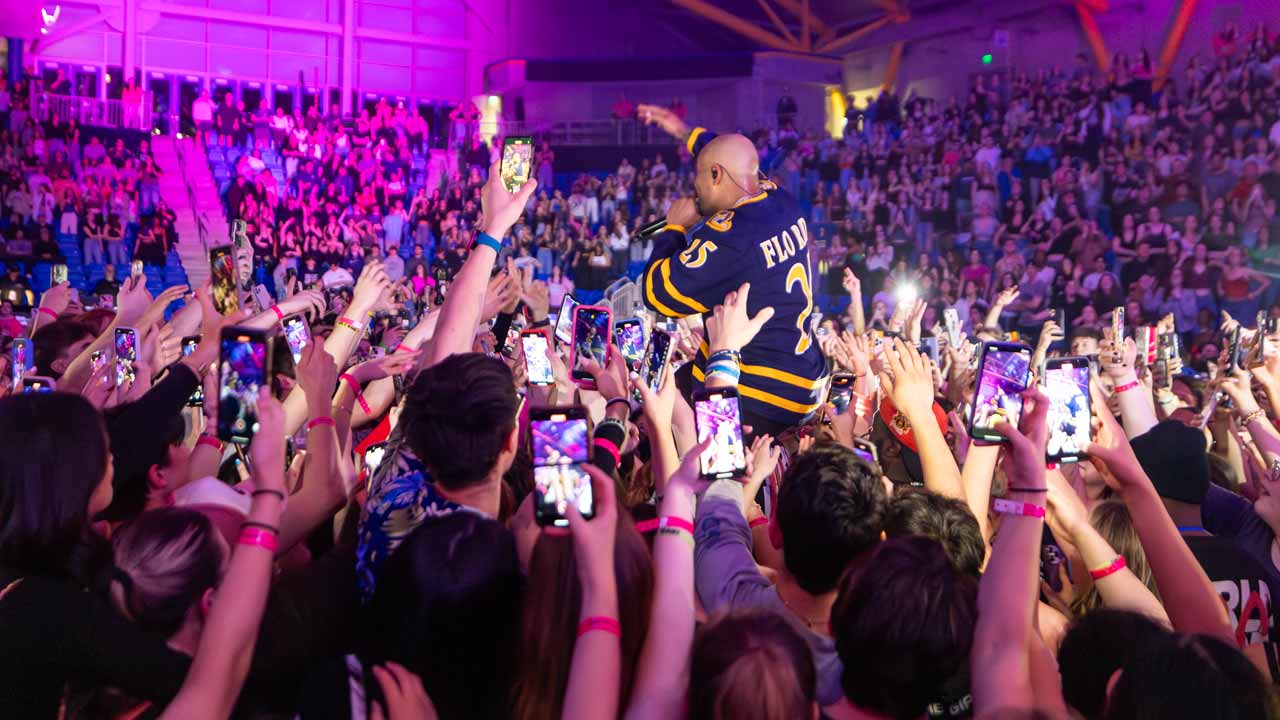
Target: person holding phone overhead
740	227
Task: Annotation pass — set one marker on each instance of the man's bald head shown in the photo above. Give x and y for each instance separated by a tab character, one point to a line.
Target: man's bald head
728	168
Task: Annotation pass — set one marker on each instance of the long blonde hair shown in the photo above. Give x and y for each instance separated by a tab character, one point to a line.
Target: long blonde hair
1111	519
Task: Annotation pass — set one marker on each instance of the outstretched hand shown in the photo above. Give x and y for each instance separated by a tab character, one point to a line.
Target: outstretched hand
663	118
729	327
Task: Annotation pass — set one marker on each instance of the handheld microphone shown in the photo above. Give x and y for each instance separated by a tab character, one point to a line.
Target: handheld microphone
651	229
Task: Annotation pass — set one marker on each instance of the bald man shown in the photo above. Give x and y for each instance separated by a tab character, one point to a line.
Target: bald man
741	228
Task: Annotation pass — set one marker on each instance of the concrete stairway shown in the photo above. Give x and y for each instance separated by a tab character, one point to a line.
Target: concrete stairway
191	191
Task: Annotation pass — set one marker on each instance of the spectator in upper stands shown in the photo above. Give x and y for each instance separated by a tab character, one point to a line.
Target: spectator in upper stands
202	110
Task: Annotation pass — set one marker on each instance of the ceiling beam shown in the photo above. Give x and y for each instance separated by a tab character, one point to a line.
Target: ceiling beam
794	7
777	21
855	35
1091	33
736	24
1173	42
895	62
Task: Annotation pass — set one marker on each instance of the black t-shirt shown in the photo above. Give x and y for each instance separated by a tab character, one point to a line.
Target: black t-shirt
1242	582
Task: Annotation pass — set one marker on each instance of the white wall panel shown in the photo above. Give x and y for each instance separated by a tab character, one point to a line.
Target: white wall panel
238	35
298	42
178	28
253	6
175	54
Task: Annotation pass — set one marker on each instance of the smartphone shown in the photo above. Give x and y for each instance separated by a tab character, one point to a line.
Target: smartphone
951	317
1235	351
57	274
591	325
38	384
1145	336
189	345
841	393
560	444
135	269
517	161
20	356
1060	318
296	334
222	270
535	344
107	302
628	335
262	298
97	361
1066	384
1117	327
126	355
866	450
1003	373
243	368
564	319
718	416
929	346
656	357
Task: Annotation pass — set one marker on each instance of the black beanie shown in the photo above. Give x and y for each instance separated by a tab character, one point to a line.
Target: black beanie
1174	456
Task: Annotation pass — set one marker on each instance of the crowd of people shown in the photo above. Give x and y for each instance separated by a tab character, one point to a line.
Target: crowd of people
375	551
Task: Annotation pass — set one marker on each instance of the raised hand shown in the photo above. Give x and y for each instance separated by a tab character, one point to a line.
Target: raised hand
501	207
267	448
1023	458
537	297
317	375
594	539
852	284
611	380
908	381
663	118
403	692
729	327
385	366
762	461
309	301
857	347
57	298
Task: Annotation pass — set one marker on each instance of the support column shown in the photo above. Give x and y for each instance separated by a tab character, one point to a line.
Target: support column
129	56
348	54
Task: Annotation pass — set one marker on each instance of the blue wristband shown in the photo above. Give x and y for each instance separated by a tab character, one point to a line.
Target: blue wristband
489	241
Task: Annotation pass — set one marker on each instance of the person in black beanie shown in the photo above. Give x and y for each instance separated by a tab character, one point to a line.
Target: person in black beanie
1176	459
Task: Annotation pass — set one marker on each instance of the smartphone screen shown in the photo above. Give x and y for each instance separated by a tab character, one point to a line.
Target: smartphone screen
718	416
1066	383
517	161
135	269
655	359
223	271
1002	378
37	385
560	444
296	334
564	320
952	318
189	345
20	355
866	451
1117	328
126	355
536	364
590	338
929	347
242	370
629	337
841	393
57	274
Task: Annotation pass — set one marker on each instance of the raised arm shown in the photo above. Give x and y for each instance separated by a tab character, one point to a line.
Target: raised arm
1193	604
908	382
226	647
461	313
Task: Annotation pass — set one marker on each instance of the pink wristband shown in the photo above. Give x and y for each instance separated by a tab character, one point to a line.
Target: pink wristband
322	420
646	526
605	624
1116	566
258	537
211	441
50	313
355	387
276	309
404	348
678	523
757	522
1011	507
1127	386
610	448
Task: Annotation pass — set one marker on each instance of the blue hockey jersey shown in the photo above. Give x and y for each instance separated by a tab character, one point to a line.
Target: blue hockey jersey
763	240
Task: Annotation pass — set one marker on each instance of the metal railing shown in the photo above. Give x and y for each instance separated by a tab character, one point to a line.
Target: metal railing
202	227
627	131
95	112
